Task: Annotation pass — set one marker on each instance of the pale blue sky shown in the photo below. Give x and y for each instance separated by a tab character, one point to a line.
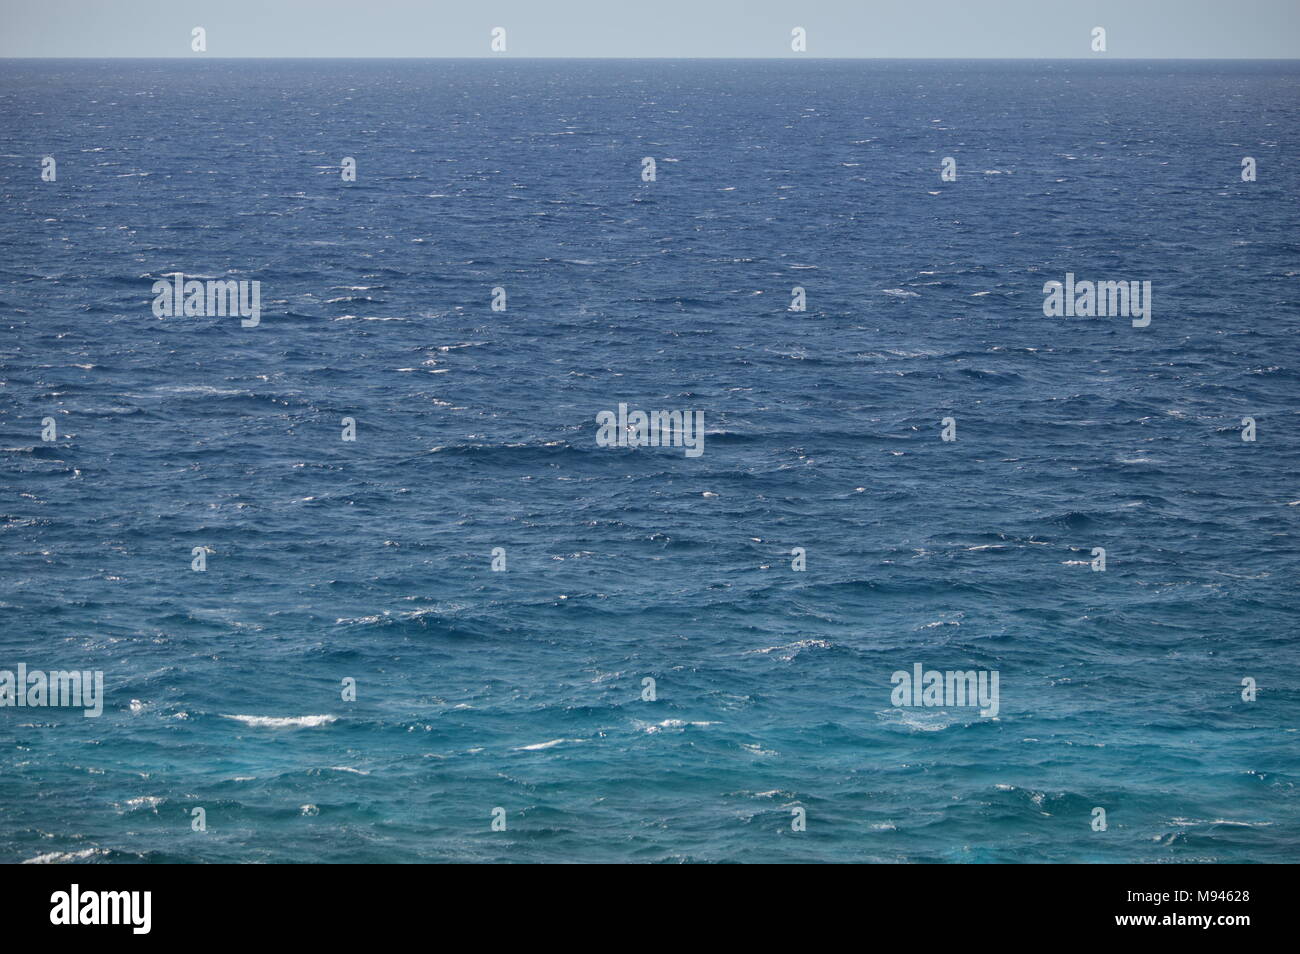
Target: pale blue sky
657	28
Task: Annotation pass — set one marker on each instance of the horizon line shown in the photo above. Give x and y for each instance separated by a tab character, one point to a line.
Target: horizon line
763	59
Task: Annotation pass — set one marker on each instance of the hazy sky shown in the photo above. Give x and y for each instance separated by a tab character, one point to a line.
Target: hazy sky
629	28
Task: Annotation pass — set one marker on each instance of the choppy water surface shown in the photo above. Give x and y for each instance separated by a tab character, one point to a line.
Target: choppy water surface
476	689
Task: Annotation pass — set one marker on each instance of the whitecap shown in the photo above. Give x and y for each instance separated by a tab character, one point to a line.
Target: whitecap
918	720
536	746
62	857
286	722
652	728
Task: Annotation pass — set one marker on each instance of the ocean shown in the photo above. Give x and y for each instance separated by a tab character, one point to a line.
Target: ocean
645	675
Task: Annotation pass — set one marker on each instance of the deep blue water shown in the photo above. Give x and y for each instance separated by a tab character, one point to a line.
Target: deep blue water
476	429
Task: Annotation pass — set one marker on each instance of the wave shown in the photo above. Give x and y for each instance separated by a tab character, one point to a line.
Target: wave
64	857
283	722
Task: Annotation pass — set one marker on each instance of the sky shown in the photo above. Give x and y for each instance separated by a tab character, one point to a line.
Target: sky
1190	29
